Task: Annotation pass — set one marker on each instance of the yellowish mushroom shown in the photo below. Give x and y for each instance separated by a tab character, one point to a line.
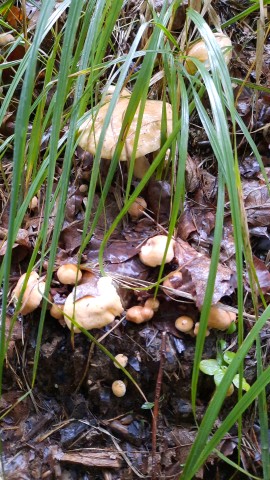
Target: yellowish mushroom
94	311
150	132
199	51
184	324
119	388
137	208
139	314
121	359
33	293
69	274
152	252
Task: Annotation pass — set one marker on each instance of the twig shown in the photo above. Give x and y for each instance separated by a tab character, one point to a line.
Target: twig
156	405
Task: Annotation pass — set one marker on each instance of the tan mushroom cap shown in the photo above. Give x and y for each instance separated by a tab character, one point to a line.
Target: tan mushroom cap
139	314
119	388
69	274
94	312
122	359
32	295
184	324
199	51
149	140
220	319
152	251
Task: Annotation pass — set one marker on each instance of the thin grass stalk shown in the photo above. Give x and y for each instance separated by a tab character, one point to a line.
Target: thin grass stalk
19	149
202	446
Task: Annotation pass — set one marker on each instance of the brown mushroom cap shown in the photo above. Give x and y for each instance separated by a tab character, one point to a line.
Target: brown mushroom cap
199	51
152	303
69	274
137	208
152	251
94	312
220	318
184	324
32	295
139	314
118	388
122	359
149	134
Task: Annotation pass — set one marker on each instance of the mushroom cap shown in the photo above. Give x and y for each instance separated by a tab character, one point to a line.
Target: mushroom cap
152	251
196	330
94	311
220	318
152	303
139	314
33	293
118	388
199	51
56	311
150	132
184	324
122	359
68	274
137	208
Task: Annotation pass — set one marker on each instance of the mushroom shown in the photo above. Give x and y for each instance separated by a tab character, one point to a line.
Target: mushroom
152	303
56	311
69	274
94	311
184	324
150	132
152	252
118	388
33	293
139	314
199	51
6	38
220	319
121	359
196	330
137	208
173	280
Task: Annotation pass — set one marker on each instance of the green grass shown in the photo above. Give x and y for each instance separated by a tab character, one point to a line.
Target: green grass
77	67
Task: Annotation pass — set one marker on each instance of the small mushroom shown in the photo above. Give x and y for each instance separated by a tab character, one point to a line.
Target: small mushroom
139	314
152	252
152	303
196	330
56	311
118	388
199	51
33	293
150	132
33	205
69	274
220	319
137	208
184	324
94	311
173	280
6	38
122	359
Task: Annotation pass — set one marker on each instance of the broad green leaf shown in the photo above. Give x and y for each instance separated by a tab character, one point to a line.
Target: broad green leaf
245	384
209	367
228	357
218	376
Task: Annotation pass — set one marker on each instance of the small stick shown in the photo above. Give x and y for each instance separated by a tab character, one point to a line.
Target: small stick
156	405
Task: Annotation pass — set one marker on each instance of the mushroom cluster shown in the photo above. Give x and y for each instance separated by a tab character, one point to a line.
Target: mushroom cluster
150	132
140	314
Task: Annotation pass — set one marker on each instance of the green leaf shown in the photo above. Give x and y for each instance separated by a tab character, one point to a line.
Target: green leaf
245	384
218	377
209	367
147	405
228	357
